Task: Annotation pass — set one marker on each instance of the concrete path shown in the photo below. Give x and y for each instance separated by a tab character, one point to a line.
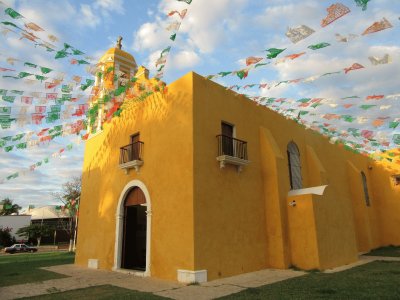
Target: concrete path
83	277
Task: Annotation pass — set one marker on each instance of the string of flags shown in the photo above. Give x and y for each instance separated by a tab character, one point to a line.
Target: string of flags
300	33
375	61
174	28
30	31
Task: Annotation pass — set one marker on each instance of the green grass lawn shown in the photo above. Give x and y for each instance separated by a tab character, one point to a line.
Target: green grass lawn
99	292
376	280
24	268
392	251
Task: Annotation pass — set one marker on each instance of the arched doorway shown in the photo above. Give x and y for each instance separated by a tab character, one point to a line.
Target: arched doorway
133	255
133	230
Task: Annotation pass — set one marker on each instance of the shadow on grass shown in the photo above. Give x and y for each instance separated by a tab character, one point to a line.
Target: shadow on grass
25	268
390	251
98	292
376	280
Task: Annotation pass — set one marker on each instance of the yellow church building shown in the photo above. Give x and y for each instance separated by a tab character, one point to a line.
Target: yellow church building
198	183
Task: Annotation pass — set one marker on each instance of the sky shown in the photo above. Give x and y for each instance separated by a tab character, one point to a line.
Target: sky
214	36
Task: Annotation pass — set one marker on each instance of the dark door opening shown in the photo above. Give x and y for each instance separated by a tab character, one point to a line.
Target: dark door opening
227	139
135	230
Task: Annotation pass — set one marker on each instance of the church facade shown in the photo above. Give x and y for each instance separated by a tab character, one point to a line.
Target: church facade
197	183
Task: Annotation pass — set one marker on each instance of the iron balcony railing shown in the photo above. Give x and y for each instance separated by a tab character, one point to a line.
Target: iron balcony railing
131	152
233	147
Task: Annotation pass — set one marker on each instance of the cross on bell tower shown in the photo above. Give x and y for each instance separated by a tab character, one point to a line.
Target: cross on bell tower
119	42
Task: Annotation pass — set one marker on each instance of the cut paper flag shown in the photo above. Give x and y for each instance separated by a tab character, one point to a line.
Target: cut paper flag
181	14
318	46
345	39
375	97
380	61
274	52
299	33
13	14
174	26
33	26
362	3
378	26
335	11
252	60
353	67
187	1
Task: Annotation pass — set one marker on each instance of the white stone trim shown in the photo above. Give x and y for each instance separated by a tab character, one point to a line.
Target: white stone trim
119	228
134	164
227	159
316	190
186	276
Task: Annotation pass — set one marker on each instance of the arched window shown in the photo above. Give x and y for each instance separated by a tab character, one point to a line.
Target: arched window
294	166
365	187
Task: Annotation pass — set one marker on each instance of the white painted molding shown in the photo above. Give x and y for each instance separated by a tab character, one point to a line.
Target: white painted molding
227	159
120	224
134	164
316	190
186	276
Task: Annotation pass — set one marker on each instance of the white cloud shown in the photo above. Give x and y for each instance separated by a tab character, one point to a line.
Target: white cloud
110	5
88	18
185	60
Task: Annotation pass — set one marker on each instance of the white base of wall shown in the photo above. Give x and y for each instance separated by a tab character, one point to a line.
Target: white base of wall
93	263
187	276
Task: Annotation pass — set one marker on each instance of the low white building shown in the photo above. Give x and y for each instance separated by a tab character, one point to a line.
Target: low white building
15	222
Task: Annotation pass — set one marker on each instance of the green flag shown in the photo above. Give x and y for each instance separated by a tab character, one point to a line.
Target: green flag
3	92
187	1
30	64
223	74
274	52
120	90
21	146
8	148
45	70
18	137
12	176
17	92
11	24
393	124
61	54
41	78
83	62
77	52
348	118
362	3
24	74
13	14
396	139
5	110
172	37
9	99
366	106
318	46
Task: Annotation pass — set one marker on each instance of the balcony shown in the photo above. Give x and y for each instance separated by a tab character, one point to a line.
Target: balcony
232	151
131	157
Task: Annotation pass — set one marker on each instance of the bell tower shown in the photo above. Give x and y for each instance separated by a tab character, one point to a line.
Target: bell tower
114	70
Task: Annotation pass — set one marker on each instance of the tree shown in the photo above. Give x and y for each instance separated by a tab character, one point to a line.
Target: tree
70	196
35	231
5	236
7	207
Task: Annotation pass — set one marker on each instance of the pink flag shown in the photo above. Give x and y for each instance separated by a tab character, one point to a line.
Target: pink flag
335	11
378	26
353	67
252	60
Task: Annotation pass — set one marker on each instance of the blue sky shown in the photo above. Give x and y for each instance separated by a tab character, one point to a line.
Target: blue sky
214	36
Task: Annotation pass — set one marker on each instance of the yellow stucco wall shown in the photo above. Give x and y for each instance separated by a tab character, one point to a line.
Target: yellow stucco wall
230	207
220	220
165	127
